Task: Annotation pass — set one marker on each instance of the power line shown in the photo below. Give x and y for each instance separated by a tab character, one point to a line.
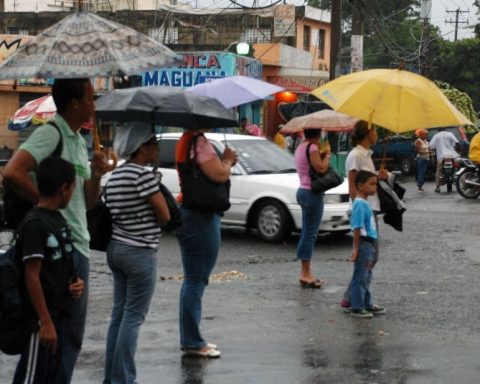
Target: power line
457	21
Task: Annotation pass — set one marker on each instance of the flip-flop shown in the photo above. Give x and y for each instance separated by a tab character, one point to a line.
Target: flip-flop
312	284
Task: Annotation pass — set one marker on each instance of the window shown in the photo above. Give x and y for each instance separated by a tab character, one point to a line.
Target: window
257	35
171	34
321	44
17	31
166	153
306	38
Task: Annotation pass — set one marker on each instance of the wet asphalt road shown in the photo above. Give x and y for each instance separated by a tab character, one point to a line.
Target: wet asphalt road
271	331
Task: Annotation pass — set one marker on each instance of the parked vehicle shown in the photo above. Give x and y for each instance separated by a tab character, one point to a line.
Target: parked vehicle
263	190
398	153
467	179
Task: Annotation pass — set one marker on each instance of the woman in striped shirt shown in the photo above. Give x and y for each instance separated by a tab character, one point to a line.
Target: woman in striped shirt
138	208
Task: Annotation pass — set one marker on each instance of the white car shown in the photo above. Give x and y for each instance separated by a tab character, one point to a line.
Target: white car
263	190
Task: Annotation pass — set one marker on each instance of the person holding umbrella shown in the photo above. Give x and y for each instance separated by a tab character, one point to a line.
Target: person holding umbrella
137	207
199	237
75	106
311	203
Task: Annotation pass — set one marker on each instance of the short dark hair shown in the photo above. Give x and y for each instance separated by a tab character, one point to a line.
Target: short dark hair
65	90
312	133
362	176
52	173
243	119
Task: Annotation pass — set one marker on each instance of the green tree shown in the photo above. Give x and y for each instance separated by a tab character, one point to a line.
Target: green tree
456	63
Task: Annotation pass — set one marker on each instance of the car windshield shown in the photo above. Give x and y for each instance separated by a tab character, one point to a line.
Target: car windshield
262	157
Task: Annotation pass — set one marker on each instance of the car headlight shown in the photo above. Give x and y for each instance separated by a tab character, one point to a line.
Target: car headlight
332	199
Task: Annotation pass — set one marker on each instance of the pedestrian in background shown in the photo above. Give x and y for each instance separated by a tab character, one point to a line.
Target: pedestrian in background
247	128
199	239
363	138
364	229
137	208
423	157
311	203
444	143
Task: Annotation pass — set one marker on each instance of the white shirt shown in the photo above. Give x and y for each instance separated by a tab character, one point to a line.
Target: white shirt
359	159
444	144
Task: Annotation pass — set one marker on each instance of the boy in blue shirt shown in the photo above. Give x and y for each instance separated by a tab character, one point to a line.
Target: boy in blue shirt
364	238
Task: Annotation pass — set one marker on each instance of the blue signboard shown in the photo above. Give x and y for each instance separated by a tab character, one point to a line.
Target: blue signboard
203	66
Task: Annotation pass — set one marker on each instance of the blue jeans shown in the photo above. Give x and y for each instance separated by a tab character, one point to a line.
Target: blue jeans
421	171
348	292
312	211
74	327
134	272
199	241
362	276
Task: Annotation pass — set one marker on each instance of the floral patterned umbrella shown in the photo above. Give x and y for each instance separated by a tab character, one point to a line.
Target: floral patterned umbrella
86	45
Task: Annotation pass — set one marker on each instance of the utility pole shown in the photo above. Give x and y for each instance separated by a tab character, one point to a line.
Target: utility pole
335	38
425	14
357	37
457	21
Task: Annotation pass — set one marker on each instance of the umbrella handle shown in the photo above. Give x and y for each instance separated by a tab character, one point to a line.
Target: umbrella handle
111	156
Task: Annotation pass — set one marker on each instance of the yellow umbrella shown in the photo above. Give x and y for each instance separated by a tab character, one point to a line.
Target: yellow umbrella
395	99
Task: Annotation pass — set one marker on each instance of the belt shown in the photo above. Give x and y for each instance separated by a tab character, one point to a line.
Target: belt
368	239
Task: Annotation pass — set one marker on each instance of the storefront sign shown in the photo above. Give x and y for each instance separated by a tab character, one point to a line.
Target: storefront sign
297	84
200	67
284	20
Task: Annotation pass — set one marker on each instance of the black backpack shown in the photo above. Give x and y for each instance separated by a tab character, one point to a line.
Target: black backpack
17	319
16	207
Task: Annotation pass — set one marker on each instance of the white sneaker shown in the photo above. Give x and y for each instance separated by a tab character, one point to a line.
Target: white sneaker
361	313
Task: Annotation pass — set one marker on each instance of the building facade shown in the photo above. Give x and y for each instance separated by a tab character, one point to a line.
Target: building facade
291	43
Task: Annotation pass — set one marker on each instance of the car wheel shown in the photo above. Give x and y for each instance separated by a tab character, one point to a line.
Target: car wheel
272	221
406	165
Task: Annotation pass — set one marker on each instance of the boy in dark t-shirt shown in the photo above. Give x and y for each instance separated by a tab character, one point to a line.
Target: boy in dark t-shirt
50	282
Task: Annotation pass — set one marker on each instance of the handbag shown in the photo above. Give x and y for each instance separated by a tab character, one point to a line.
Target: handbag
175	214
199	192
321	183
99	222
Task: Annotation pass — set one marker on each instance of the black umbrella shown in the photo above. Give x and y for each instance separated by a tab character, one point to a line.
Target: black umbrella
164	106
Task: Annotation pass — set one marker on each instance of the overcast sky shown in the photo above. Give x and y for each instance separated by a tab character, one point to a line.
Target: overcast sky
439	16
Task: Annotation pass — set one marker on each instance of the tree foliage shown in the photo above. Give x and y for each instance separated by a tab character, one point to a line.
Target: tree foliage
456	63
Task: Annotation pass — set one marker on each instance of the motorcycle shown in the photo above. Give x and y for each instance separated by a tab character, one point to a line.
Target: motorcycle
467	179
447	172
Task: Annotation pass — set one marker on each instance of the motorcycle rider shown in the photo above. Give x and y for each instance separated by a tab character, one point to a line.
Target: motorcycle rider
474	151
444	143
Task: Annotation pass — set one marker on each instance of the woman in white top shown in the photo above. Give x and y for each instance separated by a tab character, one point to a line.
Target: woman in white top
360	158
423	156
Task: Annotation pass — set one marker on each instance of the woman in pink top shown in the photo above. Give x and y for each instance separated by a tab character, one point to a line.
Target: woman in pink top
311	203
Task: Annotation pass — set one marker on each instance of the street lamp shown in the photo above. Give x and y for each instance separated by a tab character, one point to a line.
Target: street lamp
241	48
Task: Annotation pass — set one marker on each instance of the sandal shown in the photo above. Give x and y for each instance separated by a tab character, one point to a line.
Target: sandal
209	353
316	284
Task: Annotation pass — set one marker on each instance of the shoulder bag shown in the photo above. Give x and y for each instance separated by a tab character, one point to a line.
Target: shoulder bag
175	214
199	192
321	183
99	222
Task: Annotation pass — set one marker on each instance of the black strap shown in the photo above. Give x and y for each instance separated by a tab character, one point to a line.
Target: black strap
57	152
53	228
308	158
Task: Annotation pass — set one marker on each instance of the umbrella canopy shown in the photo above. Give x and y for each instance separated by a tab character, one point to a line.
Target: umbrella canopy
164	106
37	111
236	90
327	120
43	107
395	99
86	45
